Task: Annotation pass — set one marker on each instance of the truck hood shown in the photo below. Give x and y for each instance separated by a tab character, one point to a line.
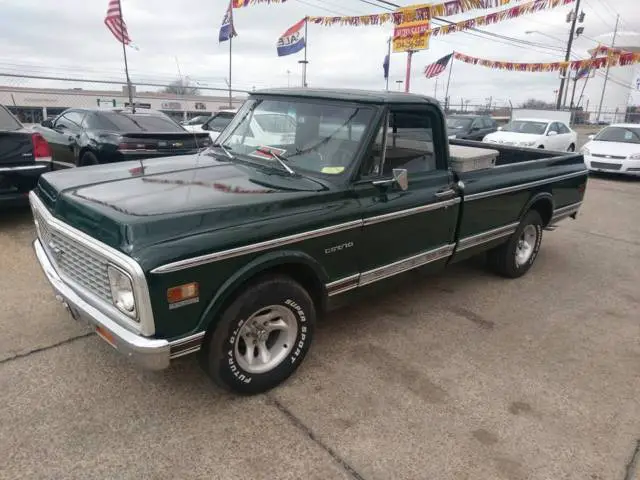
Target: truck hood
512	138
130	205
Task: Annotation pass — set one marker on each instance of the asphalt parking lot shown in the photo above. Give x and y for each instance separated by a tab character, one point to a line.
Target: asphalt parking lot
461	375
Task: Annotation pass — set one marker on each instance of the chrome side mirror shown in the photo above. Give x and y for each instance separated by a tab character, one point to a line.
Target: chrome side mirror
400	177
591	137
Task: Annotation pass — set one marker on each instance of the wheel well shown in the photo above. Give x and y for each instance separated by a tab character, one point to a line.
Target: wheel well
301	273
545	209
81	153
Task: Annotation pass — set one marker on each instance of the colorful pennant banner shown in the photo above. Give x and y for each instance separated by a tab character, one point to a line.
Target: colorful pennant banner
508	14
408	14
621	60
246	3
604	50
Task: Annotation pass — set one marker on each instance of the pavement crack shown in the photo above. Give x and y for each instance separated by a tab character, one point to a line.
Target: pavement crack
632	466
301	426
608	237
45	348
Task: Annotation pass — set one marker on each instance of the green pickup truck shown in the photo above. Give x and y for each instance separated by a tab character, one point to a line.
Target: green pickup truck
236	251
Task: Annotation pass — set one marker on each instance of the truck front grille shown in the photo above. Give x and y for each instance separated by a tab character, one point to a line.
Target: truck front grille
74	260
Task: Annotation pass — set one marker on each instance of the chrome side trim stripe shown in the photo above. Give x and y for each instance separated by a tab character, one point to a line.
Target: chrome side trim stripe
411	211
485	237
20	168
186	345
405	264
564	212
278	242
253	248
522	186
370	276
342	285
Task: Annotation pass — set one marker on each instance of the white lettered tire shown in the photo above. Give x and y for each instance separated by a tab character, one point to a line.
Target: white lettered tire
262	336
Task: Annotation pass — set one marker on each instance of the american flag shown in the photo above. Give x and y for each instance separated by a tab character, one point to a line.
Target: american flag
115	22
438	67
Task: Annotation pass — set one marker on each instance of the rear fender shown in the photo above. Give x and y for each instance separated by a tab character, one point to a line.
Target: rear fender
542	201
262	264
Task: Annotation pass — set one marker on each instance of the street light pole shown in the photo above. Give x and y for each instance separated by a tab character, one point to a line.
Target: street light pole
567	55
606	75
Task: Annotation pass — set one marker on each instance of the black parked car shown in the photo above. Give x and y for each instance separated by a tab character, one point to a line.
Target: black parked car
470	127
80	137
24	155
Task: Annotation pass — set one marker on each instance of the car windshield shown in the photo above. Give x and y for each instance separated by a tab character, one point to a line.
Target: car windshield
7	122
308	135
459	123
523	126
619	134
127	122
220	121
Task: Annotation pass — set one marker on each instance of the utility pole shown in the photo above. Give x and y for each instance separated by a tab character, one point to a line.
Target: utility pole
606	75
567	56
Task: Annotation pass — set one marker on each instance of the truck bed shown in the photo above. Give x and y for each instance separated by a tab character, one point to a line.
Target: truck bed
494	199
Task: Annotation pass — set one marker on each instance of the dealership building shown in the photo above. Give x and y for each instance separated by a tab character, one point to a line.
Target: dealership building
32	105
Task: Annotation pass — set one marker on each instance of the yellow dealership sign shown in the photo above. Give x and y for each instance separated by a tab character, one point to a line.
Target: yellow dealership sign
411	34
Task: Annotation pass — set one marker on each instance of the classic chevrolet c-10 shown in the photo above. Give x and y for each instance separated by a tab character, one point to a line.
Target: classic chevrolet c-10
235	252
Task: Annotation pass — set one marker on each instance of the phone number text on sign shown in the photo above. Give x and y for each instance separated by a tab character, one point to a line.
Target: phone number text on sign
410	43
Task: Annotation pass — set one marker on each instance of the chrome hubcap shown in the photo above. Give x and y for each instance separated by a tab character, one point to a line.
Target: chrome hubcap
526	245
266	338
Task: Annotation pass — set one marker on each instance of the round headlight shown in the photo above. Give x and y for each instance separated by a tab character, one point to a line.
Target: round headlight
122	291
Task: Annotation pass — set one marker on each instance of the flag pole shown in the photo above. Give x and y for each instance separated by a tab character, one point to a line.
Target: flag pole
389	57
230	51
126	66
446	95
304	65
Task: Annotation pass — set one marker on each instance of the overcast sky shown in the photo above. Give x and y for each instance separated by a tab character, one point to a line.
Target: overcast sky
68	38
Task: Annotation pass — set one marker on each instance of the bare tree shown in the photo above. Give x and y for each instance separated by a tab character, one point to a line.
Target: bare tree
181	86
538	104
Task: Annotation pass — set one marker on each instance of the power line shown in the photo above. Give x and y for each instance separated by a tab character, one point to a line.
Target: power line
321	8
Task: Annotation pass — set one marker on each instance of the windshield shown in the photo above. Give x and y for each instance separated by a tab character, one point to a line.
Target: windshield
220	121
7	121
619	134
127	122
308	135
459	123
523	126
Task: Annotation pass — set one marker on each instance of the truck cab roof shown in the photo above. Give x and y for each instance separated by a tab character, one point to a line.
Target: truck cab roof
350	95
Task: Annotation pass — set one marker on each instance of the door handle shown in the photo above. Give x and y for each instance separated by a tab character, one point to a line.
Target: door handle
449	192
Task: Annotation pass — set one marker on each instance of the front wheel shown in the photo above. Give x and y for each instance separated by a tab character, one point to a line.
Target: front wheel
262	337
514	258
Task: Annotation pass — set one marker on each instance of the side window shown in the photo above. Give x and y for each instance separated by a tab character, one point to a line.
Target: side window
70	121
477	123
487	122
562	128
409	142
554	127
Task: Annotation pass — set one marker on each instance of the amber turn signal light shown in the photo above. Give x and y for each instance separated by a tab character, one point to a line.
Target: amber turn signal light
182	292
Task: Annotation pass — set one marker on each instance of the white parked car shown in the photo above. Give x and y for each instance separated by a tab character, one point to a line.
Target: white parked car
214	124
535	133
199	120
615	148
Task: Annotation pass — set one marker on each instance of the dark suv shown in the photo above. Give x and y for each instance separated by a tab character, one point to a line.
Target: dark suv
470	127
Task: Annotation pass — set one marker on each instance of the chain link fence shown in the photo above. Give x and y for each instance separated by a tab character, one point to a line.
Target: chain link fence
34	98
34	103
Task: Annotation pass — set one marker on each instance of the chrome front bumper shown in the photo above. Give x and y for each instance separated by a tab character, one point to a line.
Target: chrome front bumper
149	353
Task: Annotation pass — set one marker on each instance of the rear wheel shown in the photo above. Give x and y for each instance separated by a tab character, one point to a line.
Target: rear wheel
262	337
88	159
514	258
541	146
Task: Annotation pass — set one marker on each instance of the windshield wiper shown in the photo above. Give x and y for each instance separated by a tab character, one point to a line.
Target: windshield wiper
224	149
277	157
